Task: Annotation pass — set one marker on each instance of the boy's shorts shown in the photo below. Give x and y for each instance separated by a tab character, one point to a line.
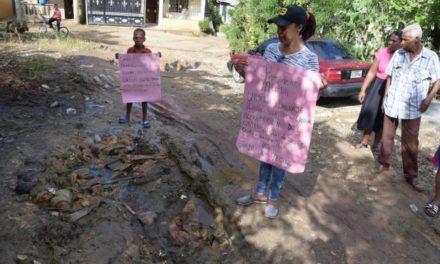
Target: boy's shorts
436	158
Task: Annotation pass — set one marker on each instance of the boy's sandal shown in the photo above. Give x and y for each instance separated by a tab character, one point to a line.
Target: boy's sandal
124	120
248	199
145	123
431	209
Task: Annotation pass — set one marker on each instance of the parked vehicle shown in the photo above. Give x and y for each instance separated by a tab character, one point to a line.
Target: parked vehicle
343	72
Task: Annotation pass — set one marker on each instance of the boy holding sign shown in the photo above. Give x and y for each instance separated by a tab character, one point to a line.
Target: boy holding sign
139	39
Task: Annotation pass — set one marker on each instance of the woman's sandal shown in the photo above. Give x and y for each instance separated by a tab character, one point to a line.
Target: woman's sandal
431	209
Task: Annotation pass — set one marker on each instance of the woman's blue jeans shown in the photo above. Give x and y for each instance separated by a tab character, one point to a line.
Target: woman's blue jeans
271	178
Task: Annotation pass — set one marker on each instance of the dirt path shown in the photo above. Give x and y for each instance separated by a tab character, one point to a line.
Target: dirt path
335	212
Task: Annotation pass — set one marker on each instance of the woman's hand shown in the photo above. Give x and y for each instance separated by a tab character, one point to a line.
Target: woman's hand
361	96
240	67
324	82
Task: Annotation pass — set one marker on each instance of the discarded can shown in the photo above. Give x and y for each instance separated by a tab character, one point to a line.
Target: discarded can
71	111
413	208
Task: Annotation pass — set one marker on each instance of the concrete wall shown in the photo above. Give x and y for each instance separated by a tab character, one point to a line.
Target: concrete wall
179	24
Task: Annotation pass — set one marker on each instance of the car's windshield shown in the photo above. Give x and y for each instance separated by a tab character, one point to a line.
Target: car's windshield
328	50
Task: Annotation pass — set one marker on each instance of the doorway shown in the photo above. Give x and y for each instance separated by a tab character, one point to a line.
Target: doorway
152	9
68	9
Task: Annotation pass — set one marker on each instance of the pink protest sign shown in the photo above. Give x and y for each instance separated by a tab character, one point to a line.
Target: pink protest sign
140	77
278	113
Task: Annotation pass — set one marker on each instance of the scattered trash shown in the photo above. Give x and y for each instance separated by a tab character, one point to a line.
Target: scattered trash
43	196
373	189
118	165
147	218
62	200
54	213
97	138
183	196
52	190
91	105
94	203
45	86
22	258
54	104
71	111
129	209
413	208
115	130
114	164
98	80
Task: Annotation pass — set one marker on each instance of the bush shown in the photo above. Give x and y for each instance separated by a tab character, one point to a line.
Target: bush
215	16
249	23
205	26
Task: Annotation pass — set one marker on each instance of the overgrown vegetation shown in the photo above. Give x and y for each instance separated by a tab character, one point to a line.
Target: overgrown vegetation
205	26
34	68
46	41
361	25
214	17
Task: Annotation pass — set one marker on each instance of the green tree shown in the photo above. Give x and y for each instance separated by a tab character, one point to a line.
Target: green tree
361	25
214	15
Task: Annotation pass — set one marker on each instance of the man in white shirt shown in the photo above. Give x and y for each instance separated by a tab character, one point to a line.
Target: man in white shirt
413	69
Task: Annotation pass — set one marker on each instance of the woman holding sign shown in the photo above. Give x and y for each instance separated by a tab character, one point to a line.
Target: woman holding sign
295	26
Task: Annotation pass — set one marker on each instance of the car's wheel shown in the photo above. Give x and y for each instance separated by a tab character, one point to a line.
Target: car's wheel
236	76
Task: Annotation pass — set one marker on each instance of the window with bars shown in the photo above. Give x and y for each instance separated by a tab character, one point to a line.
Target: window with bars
178	5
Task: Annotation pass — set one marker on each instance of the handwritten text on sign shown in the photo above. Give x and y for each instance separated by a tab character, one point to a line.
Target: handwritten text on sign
140	77
278	113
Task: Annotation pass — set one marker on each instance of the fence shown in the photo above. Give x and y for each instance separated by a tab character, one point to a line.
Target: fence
33	12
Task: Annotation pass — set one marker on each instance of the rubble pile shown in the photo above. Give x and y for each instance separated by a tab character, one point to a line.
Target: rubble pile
69	187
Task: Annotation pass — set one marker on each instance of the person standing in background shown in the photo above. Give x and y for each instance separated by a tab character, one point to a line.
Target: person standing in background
413	69
371	95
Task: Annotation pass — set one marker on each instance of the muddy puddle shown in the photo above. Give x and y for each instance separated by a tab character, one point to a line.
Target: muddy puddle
121	197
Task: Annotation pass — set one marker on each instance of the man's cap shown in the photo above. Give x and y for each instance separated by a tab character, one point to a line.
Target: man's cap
289	15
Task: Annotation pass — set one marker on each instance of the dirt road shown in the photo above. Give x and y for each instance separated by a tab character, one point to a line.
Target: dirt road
335	212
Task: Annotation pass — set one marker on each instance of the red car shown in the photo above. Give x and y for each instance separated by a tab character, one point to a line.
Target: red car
343	72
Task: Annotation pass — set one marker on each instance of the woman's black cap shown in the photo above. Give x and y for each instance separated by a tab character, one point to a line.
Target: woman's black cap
289	15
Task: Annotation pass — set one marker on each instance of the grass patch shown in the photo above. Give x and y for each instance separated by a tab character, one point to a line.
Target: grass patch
34	68
63	44
48	42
